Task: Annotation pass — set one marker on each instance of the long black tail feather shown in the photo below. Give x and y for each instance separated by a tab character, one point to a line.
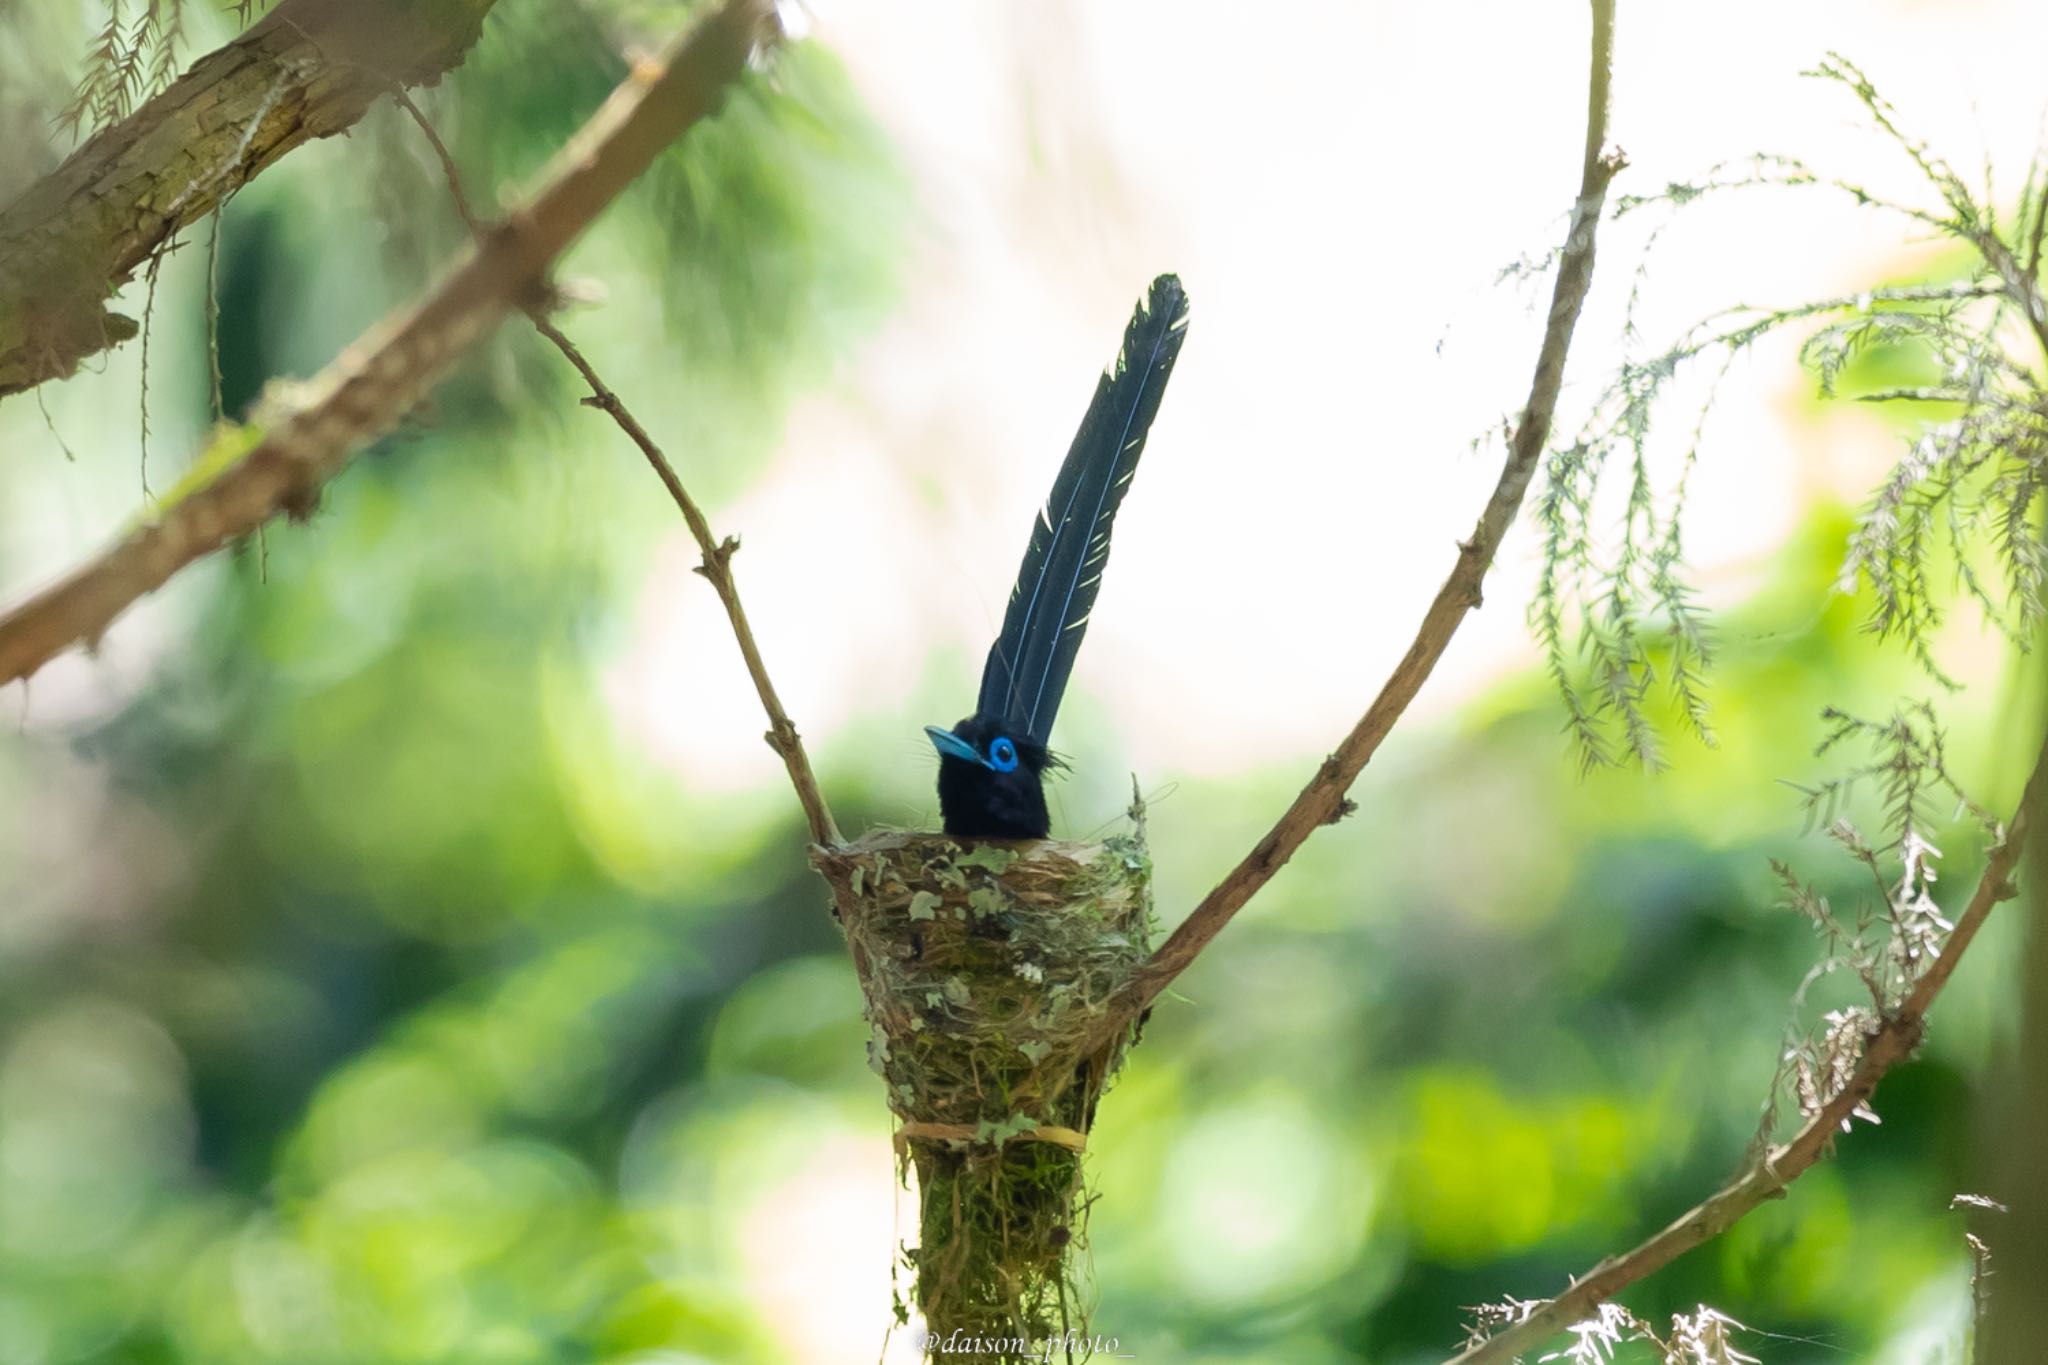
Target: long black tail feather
1028	665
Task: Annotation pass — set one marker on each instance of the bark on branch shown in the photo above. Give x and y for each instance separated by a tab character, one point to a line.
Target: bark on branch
311	432
308	69
1895	1039
716	566
1323	801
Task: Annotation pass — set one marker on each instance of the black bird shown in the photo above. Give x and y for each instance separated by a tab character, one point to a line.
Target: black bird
992	765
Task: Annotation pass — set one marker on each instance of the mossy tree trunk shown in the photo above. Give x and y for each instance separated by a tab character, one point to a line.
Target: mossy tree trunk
308	69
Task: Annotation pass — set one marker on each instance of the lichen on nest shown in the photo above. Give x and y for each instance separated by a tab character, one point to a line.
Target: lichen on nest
986	966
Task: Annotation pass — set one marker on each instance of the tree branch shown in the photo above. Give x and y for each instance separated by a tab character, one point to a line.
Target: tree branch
309	69
717	556
717	569
1894	1039
1323	800
310	432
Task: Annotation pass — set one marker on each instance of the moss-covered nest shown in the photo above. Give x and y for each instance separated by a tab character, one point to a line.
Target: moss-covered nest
986	966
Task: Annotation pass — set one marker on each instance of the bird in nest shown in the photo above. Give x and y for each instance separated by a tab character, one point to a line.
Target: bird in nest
992	765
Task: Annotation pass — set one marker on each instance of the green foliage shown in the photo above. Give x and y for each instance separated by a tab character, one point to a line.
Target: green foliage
443	1057
370	992
1617	620
756	288
136	51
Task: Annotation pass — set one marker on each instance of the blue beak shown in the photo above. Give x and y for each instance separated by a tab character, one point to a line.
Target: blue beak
951	745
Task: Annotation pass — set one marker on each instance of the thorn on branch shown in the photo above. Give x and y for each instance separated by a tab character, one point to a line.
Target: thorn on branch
1345	807
718	563
1475	550
782	738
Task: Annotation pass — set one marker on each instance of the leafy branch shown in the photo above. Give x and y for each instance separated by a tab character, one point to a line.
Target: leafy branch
1856	1050
1968	485
131	60
1703	1337
1614	613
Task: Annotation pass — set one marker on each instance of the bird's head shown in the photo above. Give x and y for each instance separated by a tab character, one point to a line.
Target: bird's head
991	780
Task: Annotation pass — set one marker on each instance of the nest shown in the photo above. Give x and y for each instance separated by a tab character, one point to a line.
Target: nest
986	967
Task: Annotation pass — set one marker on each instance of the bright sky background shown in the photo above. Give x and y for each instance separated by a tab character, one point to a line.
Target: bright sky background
1337	184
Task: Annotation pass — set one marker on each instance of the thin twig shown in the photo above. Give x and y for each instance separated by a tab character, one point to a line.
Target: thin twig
1323	800
156	265
1894	1039
449	171
218	407
717	555
717	569
308	435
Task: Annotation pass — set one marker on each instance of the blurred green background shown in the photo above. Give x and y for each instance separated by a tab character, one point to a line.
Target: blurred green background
374	988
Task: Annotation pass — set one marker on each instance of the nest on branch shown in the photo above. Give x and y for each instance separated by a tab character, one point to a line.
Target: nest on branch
986	966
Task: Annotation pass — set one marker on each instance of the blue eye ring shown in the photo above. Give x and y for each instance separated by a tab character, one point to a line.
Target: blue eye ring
1002	755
